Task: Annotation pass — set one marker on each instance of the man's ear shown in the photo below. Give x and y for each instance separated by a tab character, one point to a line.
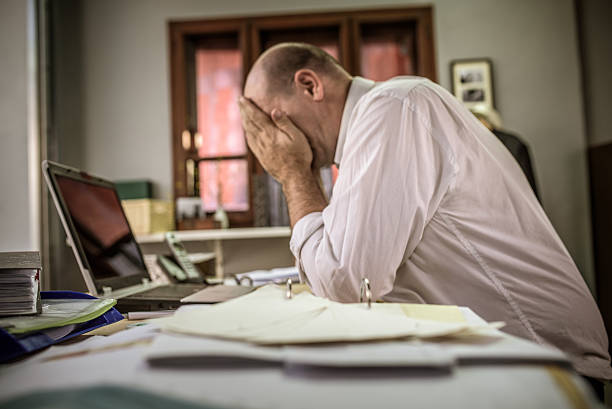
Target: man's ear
308	82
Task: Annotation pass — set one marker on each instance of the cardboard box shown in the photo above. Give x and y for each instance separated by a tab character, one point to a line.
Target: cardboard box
148	216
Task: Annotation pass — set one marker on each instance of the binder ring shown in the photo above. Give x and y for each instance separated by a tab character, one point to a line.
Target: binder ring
289	293
249	281
366	291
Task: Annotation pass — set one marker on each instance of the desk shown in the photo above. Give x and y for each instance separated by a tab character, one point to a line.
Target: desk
475	386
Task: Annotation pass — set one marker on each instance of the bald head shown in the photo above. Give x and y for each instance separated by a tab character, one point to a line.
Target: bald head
307	84
276	67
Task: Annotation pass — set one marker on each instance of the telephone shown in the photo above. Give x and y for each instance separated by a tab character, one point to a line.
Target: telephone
178	266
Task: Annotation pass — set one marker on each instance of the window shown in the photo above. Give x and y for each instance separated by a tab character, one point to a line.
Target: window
222	171
389	43
209	62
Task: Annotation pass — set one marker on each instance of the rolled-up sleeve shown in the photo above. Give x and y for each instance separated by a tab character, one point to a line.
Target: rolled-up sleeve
303	229
391	180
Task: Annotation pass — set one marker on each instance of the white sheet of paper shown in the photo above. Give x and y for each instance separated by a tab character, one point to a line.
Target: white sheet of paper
199	351
403	354
193	351
172	348
267	317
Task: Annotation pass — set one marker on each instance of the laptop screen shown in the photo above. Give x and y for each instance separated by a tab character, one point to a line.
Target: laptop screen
102	228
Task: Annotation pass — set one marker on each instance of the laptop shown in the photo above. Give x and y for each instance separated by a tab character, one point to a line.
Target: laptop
106	251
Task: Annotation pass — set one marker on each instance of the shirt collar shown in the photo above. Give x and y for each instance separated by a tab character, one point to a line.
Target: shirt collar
359	87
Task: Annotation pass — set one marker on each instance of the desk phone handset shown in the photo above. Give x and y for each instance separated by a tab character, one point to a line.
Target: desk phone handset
179	267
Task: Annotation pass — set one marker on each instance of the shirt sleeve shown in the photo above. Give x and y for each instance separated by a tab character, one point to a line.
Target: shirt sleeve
391	181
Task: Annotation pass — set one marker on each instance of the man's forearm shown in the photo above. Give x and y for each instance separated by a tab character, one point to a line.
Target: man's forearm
304	196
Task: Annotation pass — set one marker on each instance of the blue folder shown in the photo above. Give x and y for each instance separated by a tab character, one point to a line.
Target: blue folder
15	346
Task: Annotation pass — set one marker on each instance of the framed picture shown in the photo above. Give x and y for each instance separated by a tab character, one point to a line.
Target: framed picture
473	82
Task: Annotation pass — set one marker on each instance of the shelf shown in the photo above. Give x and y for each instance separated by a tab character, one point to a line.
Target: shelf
220	234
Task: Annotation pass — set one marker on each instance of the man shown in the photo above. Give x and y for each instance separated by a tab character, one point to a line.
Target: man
428	205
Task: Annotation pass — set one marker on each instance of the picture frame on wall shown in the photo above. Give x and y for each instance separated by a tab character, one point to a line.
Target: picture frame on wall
472	82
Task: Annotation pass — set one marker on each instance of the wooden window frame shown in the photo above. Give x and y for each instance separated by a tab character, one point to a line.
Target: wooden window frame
420	16
249	29
180	33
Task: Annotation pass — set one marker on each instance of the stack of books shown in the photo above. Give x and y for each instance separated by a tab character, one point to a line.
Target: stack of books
20	283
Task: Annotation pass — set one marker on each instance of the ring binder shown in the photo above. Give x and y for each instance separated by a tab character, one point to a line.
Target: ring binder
364	291
365	288
249	281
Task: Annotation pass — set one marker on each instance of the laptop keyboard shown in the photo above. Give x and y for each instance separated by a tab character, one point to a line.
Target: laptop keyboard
169	292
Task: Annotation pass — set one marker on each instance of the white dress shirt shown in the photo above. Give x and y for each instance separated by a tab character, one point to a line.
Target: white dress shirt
432	208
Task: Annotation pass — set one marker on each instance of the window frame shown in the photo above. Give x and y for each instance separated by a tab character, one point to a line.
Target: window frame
180	33
249	30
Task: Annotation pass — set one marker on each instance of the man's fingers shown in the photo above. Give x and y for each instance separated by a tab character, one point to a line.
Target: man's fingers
253	133
284	123
252	111
254	143
274	142
263	137
264	129
247	121
250	140
251	126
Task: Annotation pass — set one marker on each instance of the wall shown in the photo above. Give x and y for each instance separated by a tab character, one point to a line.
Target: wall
532	43
66	138
14	193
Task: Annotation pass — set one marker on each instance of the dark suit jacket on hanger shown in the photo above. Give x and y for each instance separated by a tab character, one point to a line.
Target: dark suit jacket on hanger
520	151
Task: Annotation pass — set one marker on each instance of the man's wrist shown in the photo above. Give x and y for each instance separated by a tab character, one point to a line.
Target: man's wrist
297	176
303	194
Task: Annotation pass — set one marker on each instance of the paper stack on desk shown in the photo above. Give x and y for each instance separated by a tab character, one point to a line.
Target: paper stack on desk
192	351
298	331
267	317
20	283
181	350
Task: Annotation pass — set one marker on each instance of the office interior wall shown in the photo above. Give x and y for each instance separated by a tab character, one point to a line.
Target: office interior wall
66	134
125	86
14	193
